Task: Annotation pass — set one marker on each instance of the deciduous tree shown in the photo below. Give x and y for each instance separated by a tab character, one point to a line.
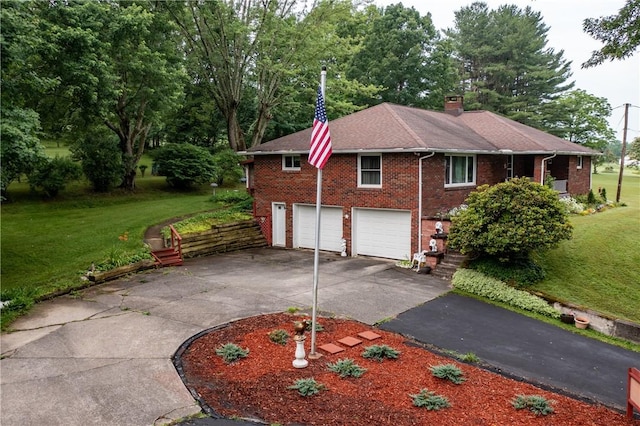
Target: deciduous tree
401	53
255	55
581	118
620	34
117	63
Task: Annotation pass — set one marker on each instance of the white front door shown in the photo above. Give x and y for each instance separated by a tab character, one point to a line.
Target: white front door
279	224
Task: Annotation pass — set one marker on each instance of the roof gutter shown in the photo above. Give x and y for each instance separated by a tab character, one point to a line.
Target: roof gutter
544	160
420	150
420	199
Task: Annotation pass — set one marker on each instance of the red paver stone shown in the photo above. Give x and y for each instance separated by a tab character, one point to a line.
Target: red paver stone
331	348
350	341
369	335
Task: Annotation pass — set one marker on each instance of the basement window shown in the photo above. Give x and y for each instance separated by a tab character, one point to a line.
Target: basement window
291	162
460	170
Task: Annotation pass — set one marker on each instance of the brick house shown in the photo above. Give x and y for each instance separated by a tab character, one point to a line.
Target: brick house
394	169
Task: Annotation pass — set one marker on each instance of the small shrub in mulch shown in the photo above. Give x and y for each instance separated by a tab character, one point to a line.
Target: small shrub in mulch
230	352
346	368
430	400
380	352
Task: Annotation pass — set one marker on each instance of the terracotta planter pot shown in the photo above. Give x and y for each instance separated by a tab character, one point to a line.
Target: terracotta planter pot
582	322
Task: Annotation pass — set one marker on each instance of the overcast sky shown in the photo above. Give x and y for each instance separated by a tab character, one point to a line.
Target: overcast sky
618	81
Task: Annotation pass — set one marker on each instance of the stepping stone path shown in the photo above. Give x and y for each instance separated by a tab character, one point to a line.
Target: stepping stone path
348	341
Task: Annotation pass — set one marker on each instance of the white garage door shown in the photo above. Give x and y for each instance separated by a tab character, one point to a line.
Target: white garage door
382	233
304	227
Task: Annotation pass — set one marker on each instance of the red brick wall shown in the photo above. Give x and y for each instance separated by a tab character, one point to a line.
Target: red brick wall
579	179
491	169
339	188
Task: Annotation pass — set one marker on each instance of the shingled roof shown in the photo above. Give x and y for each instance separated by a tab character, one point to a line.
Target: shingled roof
394	128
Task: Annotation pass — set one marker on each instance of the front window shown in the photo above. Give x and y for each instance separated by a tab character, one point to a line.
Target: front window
370	171
579	161
290	162
460	170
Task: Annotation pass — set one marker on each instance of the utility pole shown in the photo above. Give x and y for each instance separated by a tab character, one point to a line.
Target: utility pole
623	153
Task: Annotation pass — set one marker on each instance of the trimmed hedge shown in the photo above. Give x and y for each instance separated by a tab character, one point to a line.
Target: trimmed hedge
479	284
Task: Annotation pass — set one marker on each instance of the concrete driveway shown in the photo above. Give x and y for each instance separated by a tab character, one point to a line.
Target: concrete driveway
103	356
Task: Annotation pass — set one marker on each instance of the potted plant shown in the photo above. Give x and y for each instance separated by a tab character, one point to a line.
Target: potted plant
582	322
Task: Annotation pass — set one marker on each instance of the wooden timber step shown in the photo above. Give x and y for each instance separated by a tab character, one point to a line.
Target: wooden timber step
167	257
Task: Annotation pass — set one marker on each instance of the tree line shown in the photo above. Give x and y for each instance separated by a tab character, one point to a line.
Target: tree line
112	78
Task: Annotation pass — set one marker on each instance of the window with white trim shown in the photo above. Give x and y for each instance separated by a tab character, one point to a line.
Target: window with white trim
460	170
509	167
290	162
579	162
370	170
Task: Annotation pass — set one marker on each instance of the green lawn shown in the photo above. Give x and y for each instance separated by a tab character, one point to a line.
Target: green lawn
600	267
47	244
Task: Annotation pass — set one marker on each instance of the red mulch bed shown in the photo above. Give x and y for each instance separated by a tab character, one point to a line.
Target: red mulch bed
257	386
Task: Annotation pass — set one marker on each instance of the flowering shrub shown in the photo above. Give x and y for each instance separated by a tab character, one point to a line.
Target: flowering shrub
572	205
477	283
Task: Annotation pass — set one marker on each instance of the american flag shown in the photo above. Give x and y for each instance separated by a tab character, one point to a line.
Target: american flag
320	138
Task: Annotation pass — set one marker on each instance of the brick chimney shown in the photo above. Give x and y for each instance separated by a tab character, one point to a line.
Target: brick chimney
454	105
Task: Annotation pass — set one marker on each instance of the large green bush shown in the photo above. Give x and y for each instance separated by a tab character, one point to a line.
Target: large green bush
101	160
184	165
510	220
477	283
52	175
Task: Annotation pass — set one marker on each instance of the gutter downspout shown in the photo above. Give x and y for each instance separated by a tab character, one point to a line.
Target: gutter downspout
544	160
420	200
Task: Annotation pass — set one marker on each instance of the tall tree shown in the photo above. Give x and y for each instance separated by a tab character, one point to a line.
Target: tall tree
341	38
20	150
401	53
117	63
249	50
581	118
620	34
506	64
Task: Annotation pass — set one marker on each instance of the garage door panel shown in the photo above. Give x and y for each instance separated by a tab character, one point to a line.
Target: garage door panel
382	233
304	227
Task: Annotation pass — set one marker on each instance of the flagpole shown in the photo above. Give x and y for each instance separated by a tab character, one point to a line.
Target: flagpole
316	253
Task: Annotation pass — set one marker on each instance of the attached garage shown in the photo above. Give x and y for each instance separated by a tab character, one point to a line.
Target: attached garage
381	233
304	227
